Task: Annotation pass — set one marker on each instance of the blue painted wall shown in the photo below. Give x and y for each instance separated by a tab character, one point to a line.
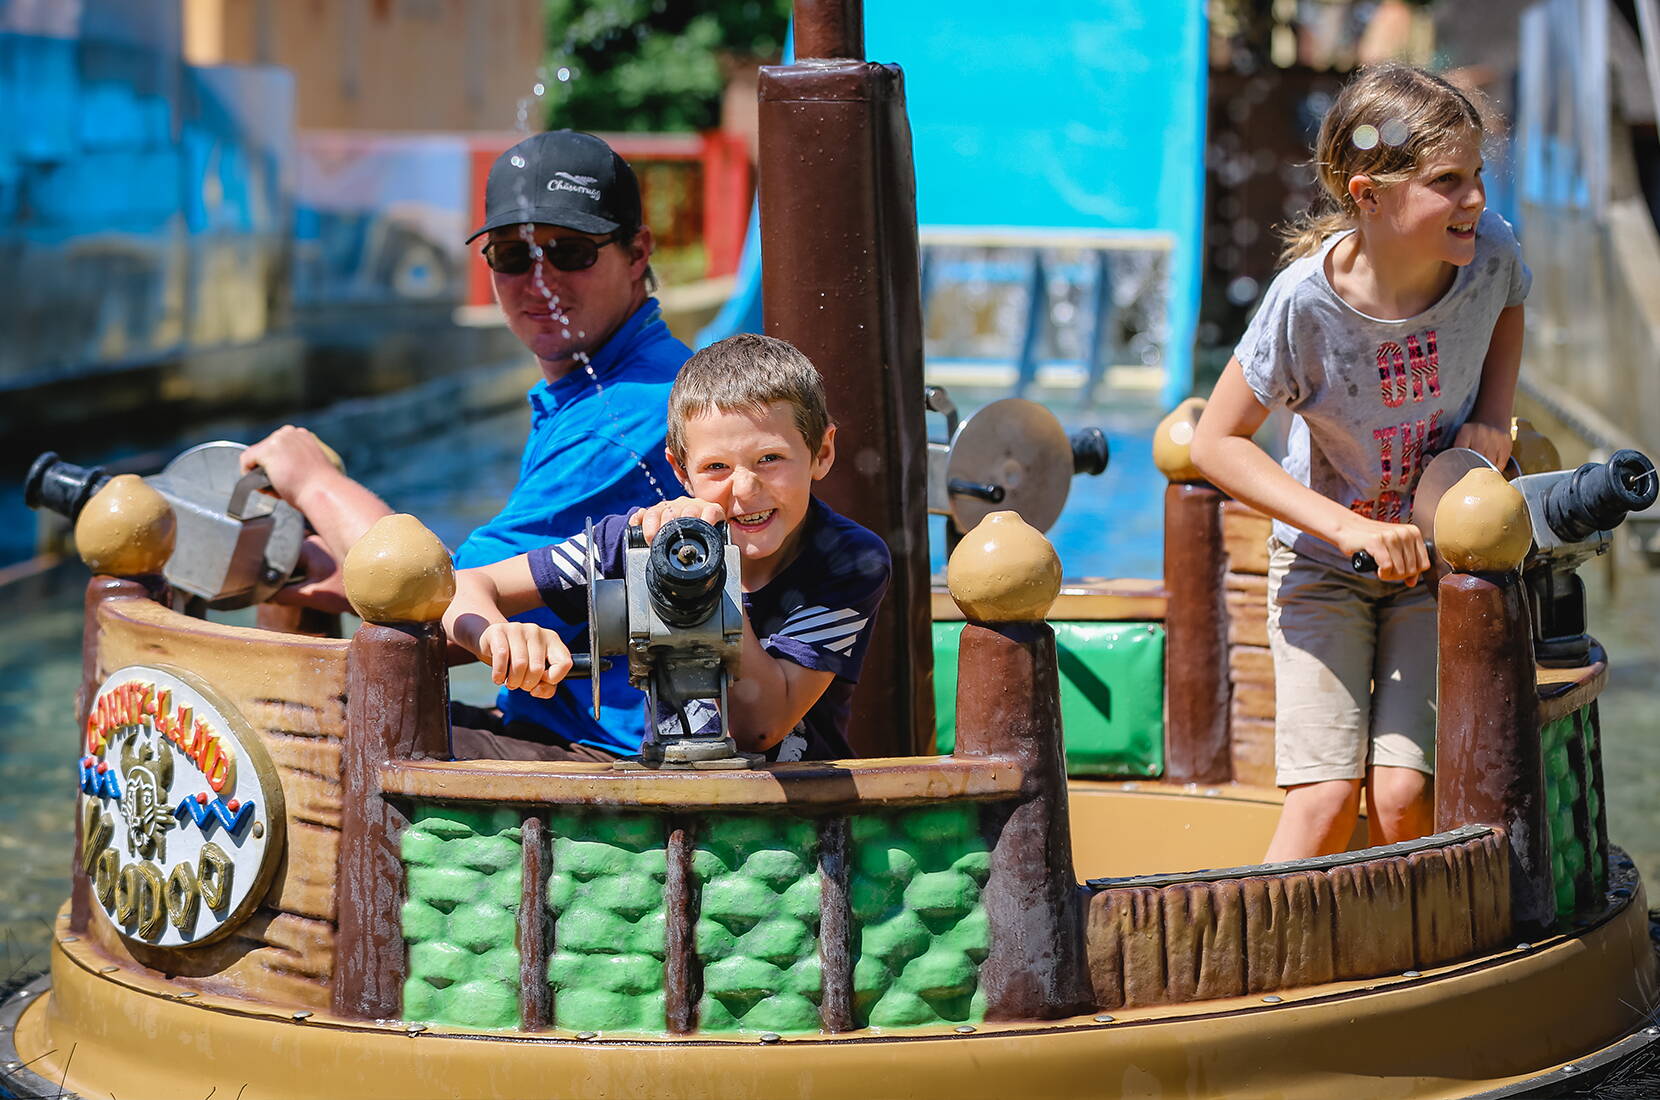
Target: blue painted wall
1088	116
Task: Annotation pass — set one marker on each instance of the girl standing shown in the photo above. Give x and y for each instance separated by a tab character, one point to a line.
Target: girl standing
1394	332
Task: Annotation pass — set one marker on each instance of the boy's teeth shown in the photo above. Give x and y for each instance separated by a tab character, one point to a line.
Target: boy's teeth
753	517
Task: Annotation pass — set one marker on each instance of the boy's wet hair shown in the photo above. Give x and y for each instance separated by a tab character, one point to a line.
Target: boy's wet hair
1386	122
748	371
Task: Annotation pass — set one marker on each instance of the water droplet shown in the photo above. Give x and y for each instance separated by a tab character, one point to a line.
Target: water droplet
539	89
563	74
1394	132
1366	136
518	161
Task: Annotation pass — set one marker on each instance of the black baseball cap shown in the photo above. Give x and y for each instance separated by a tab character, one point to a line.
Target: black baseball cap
561	177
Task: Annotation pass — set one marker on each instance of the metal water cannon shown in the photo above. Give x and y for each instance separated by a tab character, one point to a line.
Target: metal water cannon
236	544
1573	513
676	613
1011	455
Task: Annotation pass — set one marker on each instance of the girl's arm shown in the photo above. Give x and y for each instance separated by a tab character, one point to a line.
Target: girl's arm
1488	429
1224	451
771	697
520	655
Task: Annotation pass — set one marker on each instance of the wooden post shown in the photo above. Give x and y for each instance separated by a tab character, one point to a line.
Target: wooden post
1489	767
841	282
1008	705
399	580
1197	692
835	935
1488	764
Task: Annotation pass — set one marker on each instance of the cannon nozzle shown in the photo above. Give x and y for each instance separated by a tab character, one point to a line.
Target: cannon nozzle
1089	451
686	571
1599	495
60	486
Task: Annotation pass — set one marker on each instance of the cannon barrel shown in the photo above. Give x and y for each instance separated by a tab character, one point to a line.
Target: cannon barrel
60	486
1599	495
686	571
1090	452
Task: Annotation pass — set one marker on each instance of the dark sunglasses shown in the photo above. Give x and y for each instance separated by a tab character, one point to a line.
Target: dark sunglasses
565	254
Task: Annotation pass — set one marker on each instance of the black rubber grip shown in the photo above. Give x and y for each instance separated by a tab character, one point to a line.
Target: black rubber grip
1363	562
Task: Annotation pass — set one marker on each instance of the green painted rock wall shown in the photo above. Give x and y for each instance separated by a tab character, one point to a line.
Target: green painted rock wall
1112	695
605	893
460	917
919	928
1565	785
757	927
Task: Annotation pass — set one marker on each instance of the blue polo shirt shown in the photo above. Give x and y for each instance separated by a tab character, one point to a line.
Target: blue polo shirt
588	456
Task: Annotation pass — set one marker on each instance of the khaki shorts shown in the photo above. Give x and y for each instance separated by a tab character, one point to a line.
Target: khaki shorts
1354	670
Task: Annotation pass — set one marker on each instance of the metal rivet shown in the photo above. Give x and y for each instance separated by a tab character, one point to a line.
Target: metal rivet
108	969
1524	947
586	1035
416	1029
1570	1068
1103	1019
70	939
1130	787
1272	1000
1212	792
187	994
769	1036
13	1065
302	1015
964	1029
1651	1031
1411	974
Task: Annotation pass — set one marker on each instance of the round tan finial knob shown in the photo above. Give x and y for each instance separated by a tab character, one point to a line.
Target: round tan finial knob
1533	451
1481	524
127	529
399	572
1004	571
1173	442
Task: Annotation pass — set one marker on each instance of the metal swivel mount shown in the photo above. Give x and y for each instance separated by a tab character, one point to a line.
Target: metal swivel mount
677	614
236	545
1572	512
1011	455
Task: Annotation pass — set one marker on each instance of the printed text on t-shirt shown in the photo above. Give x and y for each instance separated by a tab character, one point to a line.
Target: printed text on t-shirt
1414	370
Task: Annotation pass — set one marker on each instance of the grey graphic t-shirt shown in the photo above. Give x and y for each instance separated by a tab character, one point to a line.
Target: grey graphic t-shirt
1374	399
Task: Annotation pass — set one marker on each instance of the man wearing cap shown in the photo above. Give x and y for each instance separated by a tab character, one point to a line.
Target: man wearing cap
570	262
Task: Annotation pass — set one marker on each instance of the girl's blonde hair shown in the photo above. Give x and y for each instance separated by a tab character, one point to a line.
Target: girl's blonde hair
1387	121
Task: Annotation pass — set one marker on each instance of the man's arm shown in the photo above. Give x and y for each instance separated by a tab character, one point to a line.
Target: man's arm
1488	429
302	473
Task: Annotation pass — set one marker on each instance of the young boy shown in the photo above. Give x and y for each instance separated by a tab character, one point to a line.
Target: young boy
748	435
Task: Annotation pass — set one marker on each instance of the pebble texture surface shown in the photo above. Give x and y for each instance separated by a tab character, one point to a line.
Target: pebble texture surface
605	891
465	868
757	931
919	928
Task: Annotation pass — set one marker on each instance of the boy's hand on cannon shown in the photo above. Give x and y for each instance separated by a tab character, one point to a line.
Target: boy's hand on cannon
525	657
651	520
1492	443
1397	550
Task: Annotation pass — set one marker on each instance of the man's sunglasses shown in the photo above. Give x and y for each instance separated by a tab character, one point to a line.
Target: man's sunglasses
565	254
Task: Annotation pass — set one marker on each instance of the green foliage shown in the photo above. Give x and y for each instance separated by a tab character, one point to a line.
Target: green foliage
651	65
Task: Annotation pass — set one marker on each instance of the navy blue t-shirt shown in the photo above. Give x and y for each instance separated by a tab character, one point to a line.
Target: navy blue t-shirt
817	612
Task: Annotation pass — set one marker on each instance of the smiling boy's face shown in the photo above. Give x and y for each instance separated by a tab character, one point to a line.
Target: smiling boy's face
759	468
